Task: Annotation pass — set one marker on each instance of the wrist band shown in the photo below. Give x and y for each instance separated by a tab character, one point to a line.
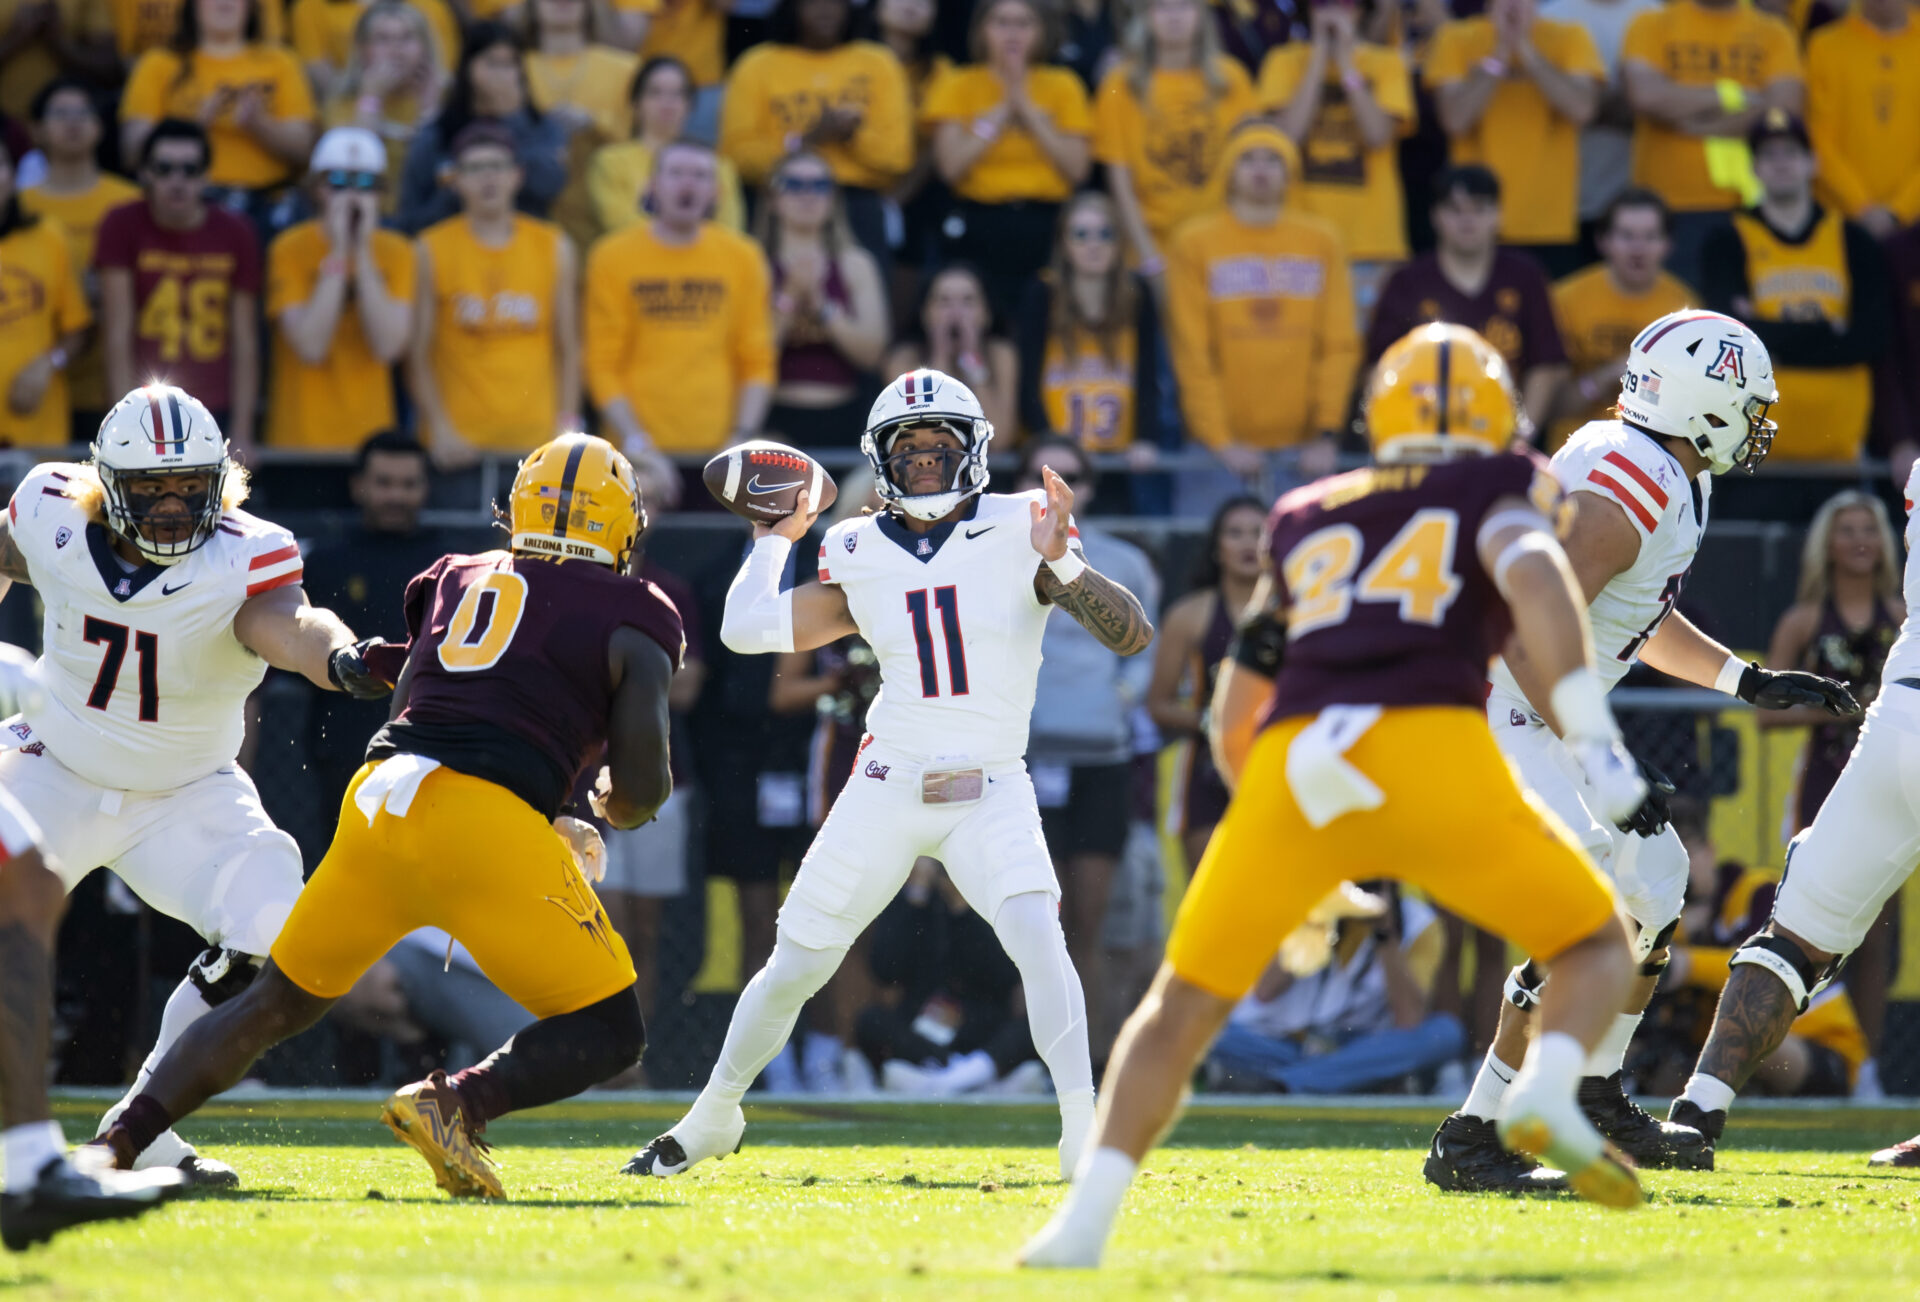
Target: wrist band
1068	567
1493	67
1353	81
1733	96
334	264
1580	707
1728	679
985	129
369	104
57	358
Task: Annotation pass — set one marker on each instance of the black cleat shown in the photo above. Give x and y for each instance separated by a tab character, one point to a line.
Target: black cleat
1649	1141
206	1173
1685	1112
1468	1157
664	1155
64	1197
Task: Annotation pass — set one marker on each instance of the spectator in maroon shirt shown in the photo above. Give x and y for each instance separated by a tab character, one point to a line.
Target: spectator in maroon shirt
179	286
1469	280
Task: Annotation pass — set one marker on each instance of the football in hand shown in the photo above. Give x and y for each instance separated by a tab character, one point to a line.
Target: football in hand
759	480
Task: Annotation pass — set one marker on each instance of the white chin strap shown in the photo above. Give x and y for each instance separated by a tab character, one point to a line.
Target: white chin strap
931	506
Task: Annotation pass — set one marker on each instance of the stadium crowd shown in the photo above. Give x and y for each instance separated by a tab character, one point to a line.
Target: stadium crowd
1160	240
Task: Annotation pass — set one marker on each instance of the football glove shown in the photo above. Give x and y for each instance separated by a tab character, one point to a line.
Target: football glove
1616	782
347	670
1783	689
1652	816
583	839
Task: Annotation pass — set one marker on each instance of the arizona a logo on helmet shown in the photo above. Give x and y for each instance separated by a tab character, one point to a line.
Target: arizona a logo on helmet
1729	363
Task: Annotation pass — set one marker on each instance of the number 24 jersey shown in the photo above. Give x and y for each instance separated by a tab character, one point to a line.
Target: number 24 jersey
141	683
955	623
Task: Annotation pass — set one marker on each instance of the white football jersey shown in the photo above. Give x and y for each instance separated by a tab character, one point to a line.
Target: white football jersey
1633	471
141	683
1903	660
954	622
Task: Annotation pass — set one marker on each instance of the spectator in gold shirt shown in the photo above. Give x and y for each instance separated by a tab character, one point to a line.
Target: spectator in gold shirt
1601	309
43	325
1512	91
662	96
1261	320
573	74
679	340
1863	112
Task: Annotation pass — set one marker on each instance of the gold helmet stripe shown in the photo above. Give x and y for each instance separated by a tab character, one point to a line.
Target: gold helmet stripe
567	477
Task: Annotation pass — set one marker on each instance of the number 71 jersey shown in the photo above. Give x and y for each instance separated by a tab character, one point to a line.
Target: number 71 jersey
954	621
141	684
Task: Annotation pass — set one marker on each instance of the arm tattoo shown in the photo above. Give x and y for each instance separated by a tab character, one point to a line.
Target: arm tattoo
12	564
1101	606
1754	1016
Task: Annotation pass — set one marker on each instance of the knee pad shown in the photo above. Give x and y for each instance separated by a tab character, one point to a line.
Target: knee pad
1523	986
1802	977
801	967
220	974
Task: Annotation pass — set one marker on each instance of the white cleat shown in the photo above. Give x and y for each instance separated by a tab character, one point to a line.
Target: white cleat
1547	1125
1063	1246
685	1145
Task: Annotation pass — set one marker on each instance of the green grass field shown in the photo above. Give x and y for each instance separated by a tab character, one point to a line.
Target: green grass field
888	1201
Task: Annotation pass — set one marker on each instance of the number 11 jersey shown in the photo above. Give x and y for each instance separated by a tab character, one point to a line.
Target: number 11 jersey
141	684
953	618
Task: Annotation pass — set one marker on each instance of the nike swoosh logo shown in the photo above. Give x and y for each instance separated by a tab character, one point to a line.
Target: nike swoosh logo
165	591
755	486
975	533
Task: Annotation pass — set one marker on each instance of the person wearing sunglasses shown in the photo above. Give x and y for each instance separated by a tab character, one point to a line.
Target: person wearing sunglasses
180	286
829	307
340	293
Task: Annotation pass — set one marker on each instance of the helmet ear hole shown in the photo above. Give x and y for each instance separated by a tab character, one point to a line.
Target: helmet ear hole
1714	420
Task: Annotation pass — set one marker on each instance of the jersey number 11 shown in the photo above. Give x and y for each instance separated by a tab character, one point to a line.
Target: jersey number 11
947	601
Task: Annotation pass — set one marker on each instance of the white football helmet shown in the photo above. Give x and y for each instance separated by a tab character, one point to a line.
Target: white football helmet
160	430
928	397
1704	378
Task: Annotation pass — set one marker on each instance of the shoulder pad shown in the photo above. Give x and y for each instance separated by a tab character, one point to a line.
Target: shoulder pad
1634	473
272	555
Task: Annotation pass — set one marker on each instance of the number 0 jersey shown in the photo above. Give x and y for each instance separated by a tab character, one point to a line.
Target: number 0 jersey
511	680
1387	602
141	682
955	623
1668	513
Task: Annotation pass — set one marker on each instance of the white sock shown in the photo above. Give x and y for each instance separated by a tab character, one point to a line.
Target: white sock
1610	1055
762	1021
1098	1188
1555	1060
1028	926
185	1006
968	1072
1489	1087
1709	1093
27	1151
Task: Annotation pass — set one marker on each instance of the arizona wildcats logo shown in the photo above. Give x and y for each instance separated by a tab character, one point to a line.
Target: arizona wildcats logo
124	588
61	537
875	769
925	548
1729	364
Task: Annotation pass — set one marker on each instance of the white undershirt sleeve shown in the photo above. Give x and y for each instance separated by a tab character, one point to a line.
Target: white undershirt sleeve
759	616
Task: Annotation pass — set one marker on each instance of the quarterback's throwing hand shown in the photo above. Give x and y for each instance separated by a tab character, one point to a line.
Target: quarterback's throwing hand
1782	690
794	527
1052	522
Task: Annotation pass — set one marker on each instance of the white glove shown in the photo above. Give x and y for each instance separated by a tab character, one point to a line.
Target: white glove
1615	778
602	788
583	839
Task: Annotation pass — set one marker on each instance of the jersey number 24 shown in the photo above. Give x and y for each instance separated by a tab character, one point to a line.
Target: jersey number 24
1415	570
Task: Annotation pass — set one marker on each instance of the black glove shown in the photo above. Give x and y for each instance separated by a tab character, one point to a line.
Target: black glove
1652	816
1782	690
347	670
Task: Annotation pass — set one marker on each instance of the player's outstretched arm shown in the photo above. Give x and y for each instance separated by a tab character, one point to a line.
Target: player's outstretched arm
1681	649
1096	602
283	630
639	780
760	618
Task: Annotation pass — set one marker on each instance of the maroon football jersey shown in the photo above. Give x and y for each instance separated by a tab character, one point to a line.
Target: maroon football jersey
1387	602
509	663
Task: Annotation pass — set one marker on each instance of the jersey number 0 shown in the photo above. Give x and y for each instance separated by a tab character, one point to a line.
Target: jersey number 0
484	622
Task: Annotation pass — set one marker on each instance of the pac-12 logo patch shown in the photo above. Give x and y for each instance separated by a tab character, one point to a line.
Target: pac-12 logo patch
61	537
853	540
1730	363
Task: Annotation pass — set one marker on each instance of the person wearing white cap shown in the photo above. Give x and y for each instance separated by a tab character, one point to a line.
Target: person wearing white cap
340	295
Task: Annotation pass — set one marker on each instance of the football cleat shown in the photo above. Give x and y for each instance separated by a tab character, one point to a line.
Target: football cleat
1467	1157
65	1196
1547	1125
1649	1141
1905	1153
205	1173
684	1145
1685	1112
427	1117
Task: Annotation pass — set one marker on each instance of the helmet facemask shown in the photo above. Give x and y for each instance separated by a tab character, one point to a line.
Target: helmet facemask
1751	450
131	515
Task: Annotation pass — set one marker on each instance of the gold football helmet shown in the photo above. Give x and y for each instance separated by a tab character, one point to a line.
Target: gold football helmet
1440	391
576	498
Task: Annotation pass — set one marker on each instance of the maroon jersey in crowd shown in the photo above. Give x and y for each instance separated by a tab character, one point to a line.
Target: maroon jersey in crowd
183	288
510	675
1387	602
1513	311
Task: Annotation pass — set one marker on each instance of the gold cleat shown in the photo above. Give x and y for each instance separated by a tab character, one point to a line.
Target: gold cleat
1607	1179
426	1116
